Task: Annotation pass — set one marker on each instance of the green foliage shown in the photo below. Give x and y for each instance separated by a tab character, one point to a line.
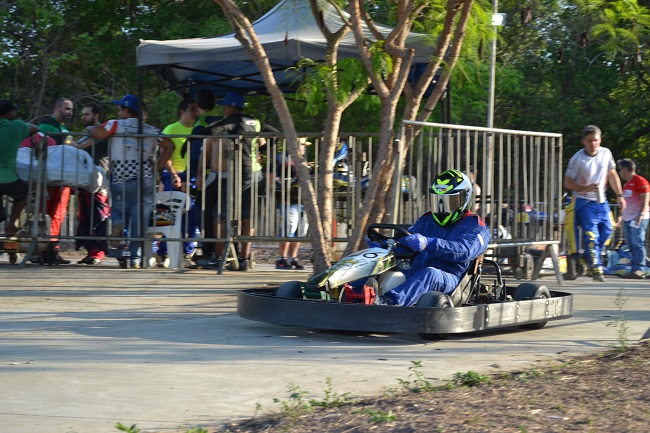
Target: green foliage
85	50
196	430
525	376
132	429
297	403
418	382
332	398
380	417
469	379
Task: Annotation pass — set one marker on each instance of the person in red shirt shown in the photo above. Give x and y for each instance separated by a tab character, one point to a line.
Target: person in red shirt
635	215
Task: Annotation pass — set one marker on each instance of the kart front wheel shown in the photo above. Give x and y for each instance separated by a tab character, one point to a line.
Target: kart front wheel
527	291
434	300
290	289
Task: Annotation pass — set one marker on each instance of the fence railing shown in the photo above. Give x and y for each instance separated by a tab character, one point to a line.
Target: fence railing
519	172
520	178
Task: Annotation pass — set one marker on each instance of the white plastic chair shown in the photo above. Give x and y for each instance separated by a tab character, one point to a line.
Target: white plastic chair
176	202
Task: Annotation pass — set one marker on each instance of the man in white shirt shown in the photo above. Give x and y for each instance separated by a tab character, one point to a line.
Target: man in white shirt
587	175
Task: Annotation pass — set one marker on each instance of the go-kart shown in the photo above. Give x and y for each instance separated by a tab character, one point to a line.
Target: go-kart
337	299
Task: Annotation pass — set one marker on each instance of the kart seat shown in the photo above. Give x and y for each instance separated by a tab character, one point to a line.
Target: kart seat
463	291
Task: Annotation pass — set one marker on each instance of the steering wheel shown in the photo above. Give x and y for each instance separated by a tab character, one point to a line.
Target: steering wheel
398	233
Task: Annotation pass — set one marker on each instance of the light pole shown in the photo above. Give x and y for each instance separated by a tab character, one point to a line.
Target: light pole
497	20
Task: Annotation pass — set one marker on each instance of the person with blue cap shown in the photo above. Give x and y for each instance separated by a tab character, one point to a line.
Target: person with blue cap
132	163
217	159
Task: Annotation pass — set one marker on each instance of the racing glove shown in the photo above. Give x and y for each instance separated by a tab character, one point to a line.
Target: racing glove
373	244
416	242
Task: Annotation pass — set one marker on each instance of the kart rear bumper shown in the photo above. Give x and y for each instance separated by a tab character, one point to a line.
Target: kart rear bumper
262	305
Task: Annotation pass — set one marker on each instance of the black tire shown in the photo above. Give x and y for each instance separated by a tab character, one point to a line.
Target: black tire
434	300
290	289
532	291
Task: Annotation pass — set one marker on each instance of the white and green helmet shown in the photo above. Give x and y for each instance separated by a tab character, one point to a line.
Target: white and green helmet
451	196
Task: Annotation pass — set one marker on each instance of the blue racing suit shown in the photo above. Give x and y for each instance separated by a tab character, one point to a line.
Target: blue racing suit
444	260
596	223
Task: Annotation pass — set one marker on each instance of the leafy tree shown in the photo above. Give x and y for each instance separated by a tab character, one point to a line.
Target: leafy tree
85	49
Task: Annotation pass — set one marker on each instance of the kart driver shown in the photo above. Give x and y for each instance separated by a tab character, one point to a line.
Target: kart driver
447	239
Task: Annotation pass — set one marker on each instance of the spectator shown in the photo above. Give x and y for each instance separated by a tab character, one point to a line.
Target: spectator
93	210
636	192
132	172
12	132
217	158
174	173
446	239
207	113
293	221
174	177
587	175
58	197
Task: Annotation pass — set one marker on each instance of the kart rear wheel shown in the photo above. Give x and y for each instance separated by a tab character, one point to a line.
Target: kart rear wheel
532	291
290	289
434	300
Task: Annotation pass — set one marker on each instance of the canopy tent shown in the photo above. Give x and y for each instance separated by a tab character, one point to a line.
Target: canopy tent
288	33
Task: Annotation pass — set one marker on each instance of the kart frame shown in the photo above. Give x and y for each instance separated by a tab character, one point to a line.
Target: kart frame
482	302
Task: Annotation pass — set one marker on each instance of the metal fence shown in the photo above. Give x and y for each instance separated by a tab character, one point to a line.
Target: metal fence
520	177
519	173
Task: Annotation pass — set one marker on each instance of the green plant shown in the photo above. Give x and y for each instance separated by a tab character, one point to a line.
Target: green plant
296	401
380	417
620	323
332	398
132	429
419	382
524	376
196	430
471	378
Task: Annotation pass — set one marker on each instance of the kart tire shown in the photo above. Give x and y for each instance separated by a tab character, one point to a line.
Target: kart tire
532	291
434	300
290	289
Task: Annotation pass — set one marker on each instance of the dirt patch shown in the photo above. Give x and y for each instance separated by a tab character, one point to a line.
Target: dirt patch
606	392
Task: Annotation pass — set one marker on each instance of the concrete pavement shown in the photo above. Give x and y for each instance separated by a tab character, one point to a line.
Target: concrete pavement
82	348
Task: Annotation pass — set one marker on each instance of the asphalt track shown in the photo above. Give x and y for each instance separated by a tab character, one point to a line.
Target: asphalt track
83	348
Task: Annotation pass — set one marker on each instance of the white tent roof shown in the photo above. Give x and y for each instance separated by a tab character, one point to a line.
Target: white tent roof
288	33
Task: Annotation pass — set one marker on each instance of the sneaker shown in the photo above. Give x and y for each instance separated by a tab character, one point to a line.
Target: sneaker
244	264
282	263
209	263
162	261
123	263
635	275
380	300
56	259
93	261
598	275
136	265
85	261
296	264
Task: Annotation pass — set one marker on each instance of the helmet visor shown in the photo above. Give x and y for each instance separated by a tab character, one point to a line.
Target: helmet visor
448	203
